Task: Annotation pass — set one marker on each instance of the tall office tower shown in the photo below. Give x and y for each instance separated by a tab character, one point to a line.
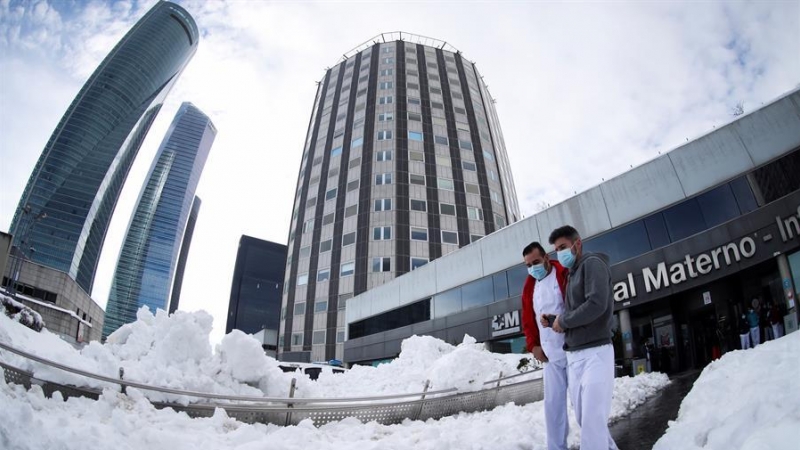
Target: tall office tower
255	303
404	162
149	255
66	207
175	298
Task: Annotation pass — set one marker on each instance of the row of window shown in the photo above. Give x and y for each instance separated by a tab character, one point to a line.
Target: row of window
379	264
318	337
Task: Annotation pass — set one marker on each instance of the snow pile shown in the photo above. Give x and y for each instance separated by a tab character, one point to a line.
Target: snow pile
630	392
174	351
21	313
118	421
748	399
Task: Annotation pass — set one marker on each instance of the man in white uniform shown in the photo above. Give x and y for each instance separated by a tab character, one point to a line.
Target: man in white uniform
543	293
587	322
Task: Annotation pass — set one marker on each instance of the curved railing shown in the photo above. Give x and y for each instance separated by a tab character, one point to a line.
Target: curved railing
387	409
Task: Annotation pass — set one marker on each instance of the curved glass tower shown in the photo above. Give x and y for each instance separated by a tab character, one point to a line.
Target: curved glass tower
149	255
66	207
404	161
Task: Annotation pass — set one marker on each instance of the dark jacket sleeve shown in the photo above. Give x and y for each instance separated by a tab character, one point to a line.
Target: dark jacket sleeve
597	294
529	326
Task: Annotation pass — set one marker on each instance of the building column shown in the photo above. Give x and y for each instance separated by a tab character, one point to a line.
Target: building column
627	335
788	293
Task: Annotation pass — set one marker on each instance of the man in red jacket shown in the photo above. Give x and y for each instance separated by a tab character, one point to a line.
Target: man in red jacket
543	293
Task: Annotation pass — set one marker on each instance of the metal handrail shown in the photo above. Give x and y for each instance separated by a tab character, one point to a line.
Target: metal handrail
127	383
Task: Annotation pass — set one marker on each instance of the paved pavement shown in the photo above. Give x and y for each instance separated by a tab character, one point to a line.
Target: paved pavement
646	424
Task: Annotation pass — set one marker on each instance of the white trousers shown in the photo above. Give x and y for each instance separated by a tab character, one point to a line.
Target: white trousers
745	339
590	374
755	336
555	404
777	330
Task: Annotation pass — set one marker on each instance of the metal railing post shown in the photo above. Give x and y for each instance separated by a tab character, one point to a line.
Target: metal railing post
493	403
290	405
422	398
124	389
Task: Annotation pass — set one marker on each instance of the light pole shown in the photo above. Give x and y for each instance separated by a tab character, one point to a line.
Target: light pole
27	227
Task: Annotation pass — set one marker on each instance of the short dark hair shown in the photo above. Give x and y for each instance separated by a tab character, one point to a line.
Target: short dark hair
533	246
566	231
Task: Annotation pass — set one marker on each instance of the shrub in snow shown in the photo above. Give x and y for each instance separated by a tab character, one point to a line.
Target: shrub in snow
21	313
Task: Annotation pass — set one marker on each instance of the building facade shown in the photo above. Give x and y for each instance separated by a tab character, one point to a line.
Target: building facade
404	161
696	238
149	255
177	285
255	302
77	180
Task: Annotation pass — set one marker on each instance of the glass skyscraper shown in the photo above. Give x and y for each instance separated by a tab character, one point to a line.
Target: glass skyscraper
149	255
177	285
404	161
66	206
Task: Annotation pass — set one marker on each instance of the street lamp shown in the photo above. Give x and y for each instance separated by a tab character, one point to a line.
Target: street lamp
27	227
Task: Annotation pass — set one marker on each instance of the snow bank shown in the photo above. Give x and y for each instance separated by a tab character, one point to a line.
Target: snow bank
18	312
118	421
174	351
748	399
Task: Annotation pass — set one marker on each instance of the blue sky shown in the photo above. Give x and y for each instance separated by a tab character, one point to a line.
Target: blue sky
584	91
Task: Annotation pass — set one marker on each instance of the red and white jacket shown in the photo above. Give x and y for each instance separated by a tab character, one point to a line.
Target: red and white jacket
529	320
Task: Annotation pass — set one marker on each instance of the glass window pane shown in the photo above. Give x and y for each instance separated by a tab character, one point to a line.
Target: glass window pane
516	279
447	303
477	293
621	244
657	231
744	195
684	220
321	306
500	283
718	205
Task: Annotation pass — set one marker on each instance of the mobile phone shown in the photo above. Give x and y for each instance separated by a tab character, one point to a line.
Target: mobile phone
551	318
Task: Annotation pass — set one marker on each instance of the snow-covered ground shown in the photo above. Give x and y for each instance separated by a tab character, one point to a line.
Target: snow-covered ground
175	351
748	399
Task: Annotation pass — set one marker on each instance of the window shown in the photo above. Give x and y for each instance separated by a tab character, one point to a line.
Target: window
444	183
385	155
385	100
419	234
383	178
656	231
381	233
351	211
449	237
474	213
333	172
416	156
347	269
440	140
411	60
416	263
325	246
492	175
317	160
495	196
318	337
415	117
412	86
387	49
383	204
343	300
437	105
413	101
297	338
499	221
320	306
361	92
468	165
718	205
330	194
355	162
323	274
349	239
302	279
436	91
684	220
305	251
381	264
386	72
488	155
308	225
388	60
443	160
338	133
475	237
337	151
385	117
357	142
466	145
472	188
352	186
447	303
384	135
477	293
328	219
340	336
419	205
415	136
385	85
447	209
311	202
458	96
313	180
459	110
416	179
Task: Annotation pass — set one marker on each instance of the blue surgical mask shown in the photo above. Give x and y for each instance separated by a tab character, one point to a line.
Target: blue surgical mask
566	258
537	271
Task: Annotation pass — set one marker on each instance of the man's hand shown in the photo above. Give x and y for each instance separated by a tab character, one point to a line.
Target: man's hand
557	325
538	353
543	319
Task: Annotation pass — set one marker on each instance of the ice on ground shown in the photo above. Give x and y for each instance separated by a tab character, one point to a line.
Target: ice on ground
746	400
